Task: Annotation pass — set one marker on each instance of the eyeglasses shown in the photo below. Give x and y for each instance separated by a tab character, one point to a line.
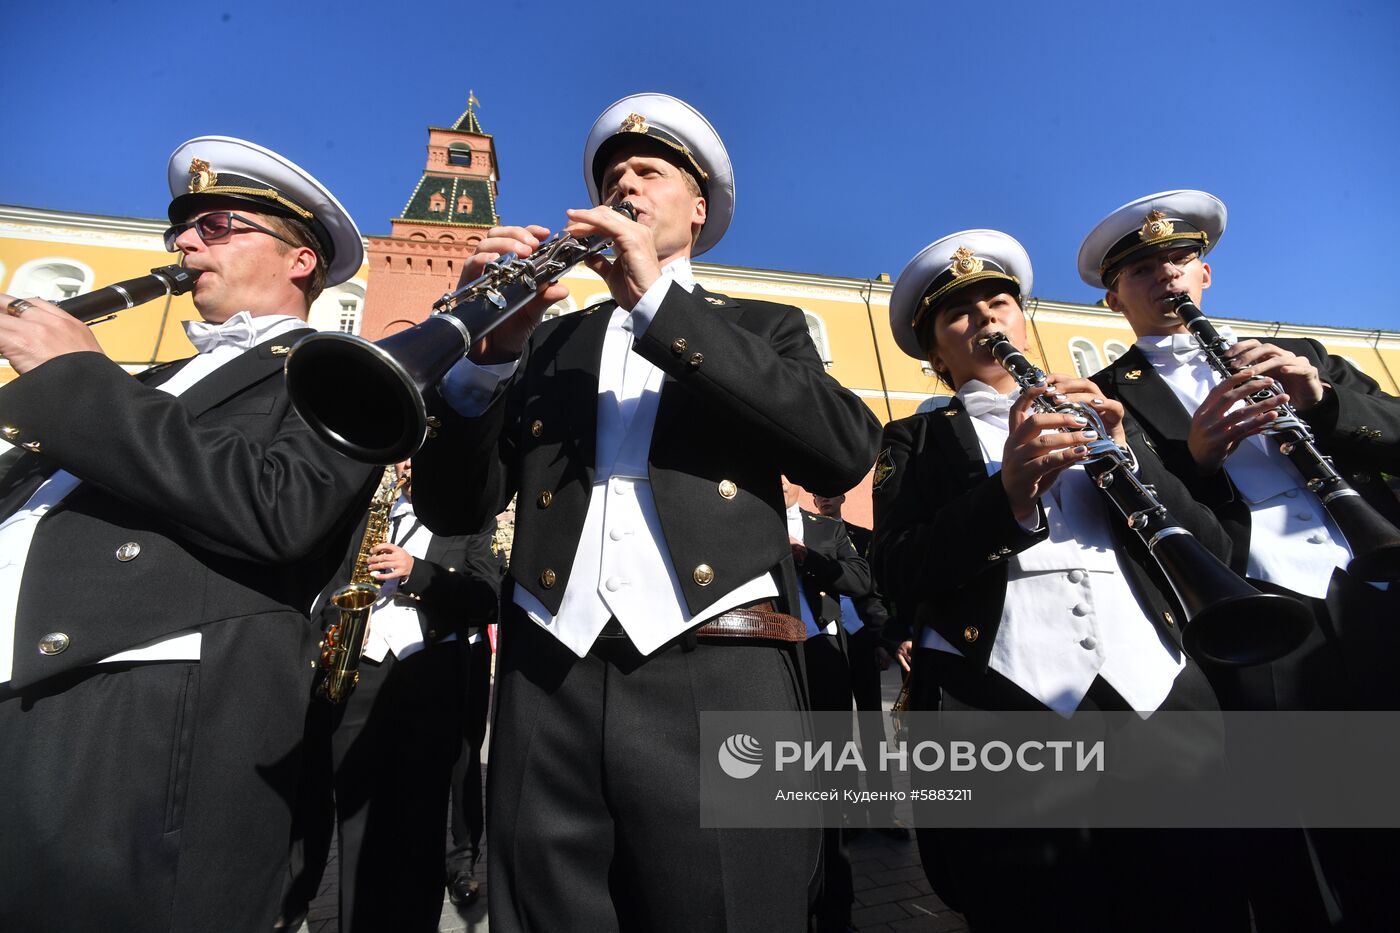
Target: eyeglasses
215	227
1146	268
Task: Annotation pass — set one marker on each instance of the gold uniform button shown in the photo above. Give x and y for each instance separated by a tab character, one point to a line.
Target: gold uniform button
54	643
727	489
546	499
548	578
970	634
432	633
678	346
128	551
696	359
704	575
537	428
433	423
1167	618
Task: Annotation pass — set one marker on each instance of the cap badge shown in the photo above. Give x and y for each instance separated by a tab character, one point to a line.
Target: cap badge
201	177
1156	226
964	263
1133	375
635	123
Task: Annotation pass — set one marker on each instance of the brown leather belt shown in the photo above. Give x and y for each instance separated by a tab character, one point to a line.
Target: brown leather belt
756	621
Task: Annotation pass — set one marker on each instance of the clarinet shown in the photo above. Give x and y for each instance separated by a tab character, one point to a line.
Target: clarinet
1375	542
104	303
367	400
1228	621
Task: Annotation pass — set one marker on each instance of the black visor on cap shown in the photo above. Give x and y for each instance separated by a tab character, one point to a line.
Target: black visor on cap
662	142
1133	247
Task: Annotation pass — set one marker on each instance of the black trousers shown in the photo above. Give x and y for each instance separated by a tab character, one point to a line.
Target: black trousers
378	766
593	807
154	796
1076	880
829	686
468	809
1323	878
865	685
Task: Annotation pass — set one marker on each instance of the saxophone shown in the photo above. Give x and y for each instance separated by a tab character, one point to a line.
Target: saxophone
339	666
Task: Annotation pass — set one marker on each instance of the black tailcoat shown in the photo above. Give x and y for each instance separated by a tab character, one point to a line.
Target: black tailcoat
231	515
944	530
744	400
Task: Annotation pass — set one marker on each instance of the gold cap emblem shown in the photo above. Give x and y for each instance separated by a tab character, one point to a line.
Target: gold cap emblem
1156	226
635	123
200	176
964	263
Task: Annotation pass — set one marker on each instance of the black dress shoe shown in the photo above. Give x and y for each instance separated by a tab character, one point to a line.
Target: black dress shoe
463	889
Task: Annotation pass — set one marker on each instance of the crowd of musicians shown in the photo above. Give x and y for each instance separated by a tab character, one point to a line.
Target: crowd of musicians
174	548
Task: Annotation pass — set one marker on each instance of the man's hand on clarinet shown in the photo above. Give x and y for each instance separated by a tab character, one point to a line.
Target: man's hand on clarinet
635	268
33	331
507	341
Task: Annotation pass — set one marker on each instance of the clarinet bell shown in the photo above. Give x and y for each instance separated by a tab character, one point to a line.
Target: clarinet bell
1372	538
366	399
1228	621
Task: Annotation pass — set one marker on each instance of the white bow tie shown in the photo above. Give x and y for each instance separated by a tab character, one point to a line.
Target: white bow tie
238	332
1184	346
978	404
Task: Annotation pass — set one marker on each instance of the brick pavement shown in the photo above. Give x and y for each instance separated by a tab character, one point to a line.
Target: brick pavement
891	893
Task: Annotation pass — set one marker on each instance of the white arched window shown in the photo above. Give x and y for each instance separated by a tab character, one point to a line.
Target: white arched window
52	279
816	328
560	308
596	299
340	308
1114	349
1085	356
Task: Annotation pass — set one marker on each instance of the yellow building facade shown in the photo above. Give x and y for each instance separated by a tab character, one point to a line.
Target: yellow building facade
55	254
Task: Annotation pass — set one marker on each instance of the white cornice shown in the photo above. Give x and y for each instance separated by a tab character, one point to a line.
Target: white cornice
31	223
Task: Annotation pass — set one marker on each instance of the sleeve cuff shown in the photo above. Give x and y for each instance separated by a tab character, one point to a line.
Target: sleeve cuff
468	387
649	304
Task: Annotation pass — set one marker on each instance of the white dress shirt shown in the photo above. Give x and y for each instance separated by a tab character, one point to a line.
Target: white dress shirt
1293	542
622	567
1069	614
218	344
394	623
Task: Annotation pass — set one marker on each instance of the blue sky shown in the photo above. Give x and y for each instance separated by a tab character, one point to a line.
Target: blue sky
859	131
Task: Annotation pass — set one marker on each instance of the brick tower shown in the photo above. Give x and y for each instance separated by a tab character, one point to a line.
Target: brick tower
450	209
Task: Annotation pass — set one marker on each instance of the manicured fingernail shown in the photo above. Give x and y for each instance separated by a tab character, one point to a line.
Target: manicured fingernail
1081	450
1090	435
1081	419
1098	401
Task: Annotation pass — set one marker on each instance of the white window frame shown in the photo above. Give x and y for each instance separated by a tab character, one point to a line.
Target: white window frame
24	285
1084	345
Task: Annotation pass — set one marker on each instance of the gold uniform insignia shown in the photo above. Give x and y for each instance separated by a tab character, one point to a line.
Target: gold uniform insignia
1133	375
713	300
201	177
278	350
884	468
964	263
1155	226
635	123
